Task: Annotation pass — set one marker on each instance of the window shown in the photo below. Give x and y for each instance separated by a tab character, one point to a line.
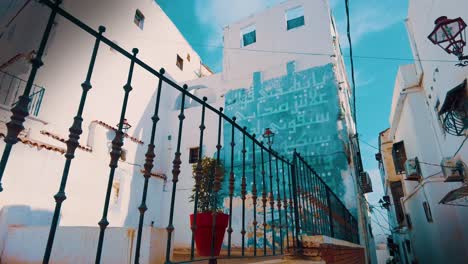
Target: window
427	211
194	155
295	17
249	35
399	157
397	193
139	19
180	63
188	57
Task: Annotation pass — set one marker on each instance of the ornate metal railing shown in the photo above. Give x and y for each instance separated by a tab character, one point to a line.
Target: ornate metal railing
11	87
288	199
321	211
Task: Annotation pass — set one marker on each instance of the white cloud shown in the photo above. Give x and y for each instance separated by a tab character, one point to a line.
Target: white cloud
362	80
369	17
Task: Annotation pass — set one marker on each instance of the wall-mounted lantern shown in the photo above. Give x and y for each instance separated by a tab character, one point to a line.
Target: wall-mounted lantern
125	126
450	35
385	202
269	135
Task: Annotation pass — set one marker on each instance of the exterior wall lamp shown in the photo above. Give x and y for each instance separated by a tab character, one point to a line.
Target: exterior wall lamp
269	135
125	126
450	35
385	202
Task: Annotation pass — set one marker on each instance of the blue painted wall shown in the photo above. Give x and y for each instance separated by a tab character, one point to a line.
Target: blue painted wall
303	109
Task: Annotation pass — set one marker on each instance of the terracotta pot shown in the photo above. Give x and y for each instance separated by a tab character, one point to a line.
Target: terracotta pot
203	233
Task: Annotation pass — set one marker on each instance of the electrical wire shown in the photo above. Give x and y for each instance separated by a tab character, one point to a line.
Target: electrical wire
383	216
353	79
368	144
365	57
381	227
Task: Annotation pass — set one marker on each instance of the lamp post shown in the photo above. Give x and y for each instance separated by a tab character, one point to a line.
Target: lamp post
269	135
125	126
450	35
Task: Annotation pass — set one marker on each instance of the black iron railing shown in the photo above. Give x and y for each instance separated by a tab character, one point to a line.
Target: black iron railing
300	203
321	212
11	87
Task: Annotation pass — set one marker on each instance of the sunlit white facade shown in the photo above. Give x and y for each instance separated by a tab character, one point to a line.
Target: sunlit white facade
425	226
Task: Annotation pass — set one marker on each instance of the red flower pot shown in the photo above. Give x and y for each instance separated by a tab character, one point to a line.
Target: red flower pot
203	233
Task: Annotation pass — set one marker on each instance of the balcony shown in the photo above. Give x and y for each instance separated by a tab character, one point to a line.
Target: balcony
12	87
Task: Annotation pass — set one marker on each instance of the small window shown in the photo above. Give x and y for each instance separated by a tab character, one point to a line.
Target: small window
139	19
427	211
397	194
409	222
399	157
188	57
180	63
295	17
249	35
194	155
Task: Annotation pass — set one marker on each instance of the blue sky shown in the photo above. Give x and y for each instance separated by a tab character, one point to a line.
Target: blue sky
377	30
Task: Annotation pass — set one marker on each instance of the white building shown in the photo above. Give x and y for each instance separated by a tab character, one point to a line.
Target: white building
271	78
257	59
34	170
427	227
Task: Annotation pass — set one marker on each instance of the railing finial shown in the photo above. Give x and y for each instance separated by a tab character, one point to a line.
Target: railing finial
101	29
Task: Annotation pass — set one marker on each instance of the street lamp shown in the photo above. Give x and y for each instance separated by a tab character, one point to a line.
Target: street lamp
269	135
450	35
125	126
385	202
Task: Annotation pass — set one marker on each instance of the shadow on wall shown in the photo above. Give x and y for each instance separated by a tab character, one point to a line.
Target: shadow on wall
156	213
21	215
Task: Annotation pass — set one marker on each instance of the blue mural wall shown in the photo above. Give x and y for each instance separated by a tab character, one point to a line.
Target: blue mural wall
304	111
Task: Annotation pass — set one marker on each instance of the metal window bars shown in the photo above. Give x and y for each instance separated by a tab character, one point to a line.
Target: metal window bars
305	205
11	87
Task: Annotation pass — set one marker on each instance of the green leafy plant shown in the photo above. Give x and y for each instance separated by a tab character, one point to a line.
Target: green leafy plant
207	201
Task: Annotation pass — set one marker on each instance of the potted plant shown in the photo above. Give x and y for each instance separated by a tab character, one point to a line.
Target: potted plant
208	205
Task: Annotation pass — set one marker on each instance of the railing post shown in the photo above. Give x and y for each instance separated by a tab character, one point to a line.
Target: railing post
243	189
20	110
272	202
231	185
175	176
149	163
117	144
72	143
285	203
302	195
254	195
291	204
198	178
296	204
309	200
264	199
278	204
330	216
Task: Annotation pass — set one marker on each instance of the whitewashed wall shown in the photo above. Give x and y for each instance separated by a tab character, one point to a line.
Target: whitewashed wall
32	176
414	119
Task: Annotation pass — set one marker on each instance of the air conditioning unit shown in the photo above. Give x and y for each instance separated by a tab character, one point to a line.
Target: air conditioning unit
454	170
413	170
